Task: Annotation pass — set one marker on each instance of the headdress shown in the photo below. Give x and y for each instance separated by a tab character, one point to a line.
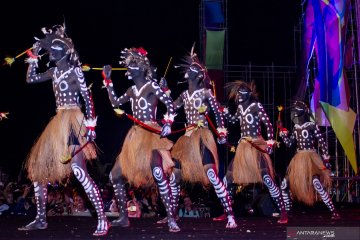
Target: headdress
56	37
139	56
234	87
192	59
302	105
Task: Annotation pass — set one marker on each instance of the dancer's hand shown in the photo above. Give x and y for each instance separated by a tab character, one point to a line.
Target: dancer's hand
270	146
106	73
33	53
223	109
90	128
328	165
283	132
163	84
221	139
36	48
269	150
165	130
90	134
222	133
326	160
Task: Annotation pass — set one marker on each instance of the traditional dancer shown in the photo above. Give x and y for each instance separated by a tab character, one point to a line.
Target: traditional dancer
145	156
3	115
307	175
252	162
67	139
195	152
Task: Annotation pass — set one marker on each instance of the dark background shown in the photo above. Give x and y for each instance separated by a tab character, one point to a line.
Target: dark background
260	32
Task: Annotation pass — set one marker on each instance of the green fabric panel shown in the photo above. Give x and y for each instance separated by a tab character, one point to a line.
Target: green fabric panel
214	49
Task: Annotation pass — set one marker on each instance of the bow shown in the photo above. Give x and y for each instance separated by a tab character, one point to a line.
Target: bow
232	148
120	112
249	140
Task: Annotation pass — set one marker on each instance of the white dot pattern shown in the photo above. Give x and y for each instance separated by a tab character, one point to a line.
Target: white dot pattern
250	120
305	135
67	82
192	103
143	101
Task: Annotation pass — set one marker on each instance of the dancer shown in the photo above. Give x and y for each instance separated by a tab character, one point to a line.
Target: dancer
3	115
68	133
195	153
252	162
145	156
307	174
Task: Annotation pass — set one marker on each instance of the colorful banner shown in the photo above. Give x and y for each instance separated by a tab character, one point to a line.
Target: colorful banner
214	49
325	32
213	14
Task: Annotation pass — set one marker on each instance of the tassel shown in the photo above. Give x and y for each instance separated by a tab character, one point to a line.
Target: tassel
10	60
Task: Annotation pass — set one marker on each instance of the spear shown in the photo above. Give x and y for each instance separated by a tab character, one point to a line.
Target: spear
278	122
10	60
87	68
167	67
213	86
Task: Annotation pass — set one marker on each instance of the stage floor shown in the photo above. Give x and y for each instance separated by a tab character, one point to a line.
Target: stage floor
249	227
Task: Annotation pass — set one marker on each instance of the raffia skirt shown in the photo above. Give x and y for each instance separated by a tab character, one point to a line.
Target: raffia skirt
54	144
303	166
246	165
136	154
188	151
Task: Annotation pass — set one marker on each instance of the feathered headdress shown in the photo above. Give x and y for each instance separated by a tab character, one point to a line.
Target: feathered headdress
139	56
56	36
192	59
234	87
302	105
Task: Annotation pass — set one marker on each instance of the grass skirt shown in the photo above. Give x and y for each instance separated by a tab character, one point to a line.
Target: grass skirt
188	151
44	160
246	165
303	166
136	154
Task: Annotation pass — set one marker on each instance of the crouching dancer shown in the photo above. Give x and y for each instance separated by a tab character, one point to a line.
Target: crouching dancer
145	155
67	140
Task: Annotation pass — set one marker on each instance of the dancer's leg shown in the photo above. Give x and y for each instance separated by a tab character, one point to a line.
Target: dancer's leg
325	197
274	192
220	188
286	194
118	184
80	171
40	191
164	189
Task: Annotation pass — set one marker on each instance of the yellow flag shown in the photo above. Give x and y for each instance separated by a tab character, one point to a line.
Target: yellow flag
343	124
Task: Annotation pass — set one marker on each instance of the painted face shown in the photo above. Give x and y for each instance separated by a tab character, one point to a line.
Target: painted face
243	94
56	52
298	112
133	70
193	72
298	109
57	48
